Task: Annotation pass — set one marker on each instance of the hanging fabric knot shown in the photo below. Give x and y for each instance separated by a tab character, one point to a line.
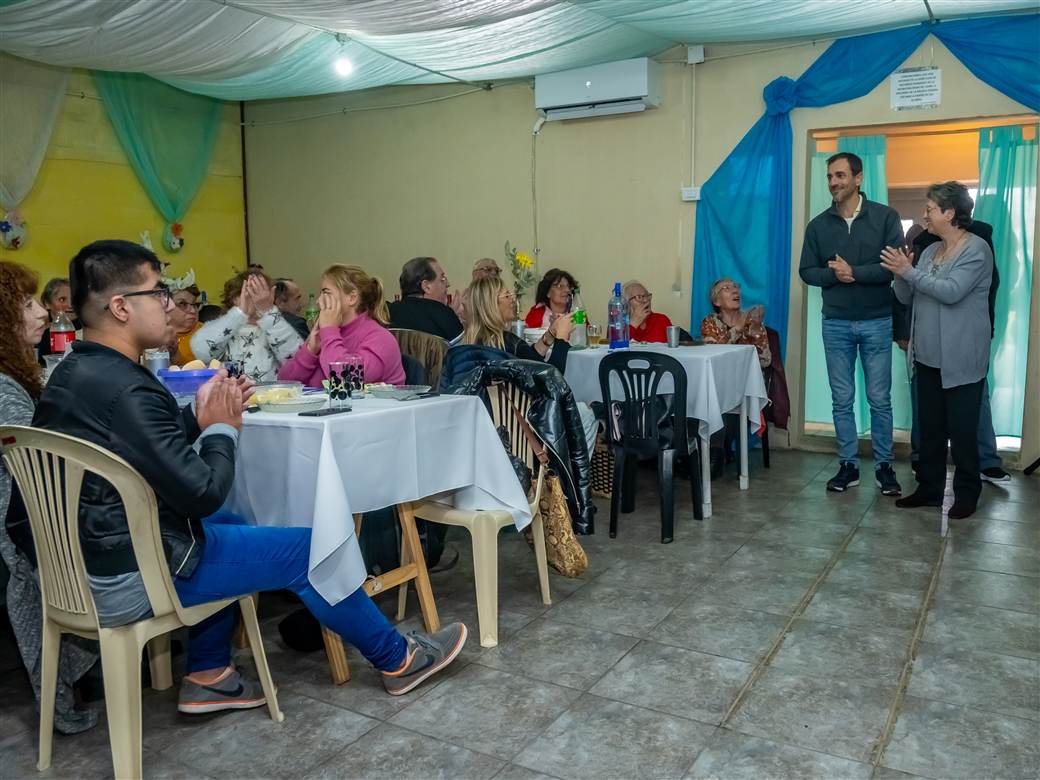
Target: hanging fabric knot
779	95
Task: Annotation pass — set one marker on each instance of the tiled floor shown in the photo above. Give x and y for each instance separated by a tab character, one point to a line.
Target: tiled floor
771	641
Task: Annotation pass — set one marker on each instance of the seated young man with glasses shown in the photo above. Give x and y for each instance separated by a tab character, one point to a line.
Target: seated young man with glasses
101	393
644	325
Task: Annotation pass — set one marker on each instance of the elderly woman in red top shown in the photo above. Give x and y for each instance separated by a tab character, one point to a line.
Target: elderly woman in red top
553	299
644	325
729	324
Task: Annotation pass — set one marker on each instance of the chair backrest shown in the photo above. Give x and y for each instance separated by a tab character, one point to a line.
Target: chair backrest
506	403
49	469
426	348
641	416
414	372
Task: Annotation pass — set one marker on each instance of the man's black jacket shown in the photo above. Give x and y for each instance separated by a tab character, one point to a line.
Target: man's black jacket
99	395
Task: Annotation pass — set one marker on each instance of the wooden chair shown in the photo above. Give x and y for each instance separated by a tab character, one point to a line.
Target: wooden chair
426	348
413	567
49	469
506	403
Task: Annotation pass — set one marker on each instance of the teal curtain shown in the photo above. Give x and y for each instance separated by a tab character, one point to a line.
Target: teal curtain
167	135
871	149
1007	201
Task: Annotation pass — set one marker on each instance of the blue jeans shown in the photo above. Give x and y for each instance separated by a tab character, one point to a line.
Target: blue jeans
239	559
873	340
988	456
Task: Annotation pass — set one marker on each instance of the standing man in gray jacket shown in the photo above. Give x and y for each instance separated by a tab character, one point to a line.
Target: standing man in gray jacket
842	255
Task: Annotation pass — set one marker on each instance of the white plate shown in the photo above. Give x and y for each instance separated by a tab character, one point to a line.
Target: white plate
295	406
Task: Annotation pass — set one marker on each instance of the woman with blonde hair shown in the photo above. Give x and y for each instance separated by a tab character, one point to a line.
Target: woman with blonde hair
490	307
353	320
252	330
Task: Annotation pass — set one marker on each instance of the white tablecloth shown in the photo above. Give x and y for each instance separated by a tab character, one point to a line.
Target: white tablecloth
318	471
719	377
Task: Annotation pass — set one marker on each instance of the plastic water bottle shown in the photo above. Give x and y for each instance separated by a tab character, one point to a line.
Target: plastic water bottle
63	333
579	336
311	312
617	320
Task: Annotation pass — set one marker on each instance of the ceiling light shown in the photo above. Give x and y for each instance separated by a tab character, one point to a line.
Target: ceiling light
343	66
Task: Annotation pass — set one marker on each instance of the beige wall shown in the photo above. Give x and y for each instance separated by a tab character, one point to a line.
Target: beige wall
453	178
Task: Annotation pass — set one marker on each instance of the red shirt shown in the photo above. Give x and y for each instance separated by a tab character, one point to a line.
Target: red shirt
653	329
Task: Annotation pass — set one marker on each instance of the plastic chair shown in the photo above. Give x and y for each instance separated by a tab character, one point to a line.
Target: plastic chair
49	469
644	423
483	526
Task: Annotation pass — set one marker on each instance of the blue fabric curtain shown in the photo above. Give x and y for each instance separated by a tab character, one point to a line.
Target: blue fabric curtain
744	216
1007	201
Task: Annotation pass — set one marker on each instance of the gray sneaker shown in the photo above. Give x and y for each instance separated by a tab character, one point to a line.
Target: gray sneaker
427	655
234	692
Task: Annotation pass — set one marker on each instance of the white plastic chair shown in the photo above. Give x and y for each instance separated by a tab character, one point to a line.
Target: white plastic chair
484	526
49	469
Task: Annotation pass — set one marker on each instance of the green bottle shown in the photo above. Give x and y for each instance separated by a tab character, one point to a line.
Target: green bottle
311	312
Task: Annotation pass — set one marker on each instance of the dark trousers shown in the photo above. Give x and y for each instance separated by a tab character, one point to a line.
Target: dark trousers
948	415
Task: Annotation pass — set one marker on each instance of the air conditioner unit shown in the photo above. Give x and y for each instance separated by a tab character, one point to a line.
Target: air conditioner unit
598	90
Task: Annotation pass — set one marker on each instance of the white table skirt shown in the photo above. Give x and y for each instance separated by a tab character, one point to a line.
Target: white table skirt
719	378
319	471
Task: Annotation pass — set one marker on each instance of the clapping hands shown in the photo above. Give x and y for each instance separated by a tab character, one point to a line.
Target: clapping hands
897	260
841	269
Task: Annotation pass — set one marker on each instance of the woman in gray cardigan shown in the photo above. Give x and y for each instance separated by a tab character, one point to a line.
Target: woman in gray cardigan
949	344
22	320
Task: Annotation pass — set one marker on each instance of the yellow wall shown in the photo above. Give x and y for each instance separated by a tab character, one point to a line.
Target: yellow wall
453	178
86	191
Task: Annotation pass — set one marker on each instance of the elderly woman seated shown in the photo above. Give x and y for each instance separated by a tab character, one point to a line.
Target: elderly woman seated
644	325
729	324
252	330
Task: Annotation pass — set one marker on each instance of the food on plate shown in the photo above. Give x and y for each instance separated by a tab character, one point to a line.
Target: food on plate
277	393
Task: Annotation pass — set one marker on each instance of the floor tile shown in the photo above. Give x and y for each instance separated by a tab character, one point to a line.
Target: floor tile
675	680
822	714
887	543
559	653
766	591
804	534
999	532
720	630
857	655
935	739
985	681
734	756
957	625
514	772
616	608
990	589
610	739
868	572
845	605
487	710
311	733
760	555
389	751
1003	558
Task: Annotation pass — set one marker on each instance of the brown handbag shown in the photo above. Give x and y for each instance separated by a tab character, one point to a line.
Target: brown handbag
562	550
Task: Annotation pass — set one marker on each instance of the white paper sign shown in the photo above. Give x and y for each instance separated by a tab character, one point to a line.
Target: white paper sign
916	88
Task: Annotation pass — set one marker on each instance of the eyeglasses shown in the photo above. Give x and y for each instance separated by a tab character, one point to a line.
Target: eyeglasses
642	297
162	292
727	287
187	306
563	285
507	294
491	270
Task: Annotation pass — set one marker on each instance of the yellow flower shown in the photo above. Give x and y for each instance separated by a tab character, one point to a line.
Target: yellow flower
524	260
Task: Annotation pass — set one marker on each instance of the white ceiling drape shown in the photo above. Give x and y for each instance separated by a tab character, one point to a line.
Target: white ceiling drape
255	49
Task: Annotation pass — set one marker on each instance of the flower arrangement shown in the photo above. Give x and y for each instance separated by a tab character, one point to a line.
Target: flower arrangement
524	274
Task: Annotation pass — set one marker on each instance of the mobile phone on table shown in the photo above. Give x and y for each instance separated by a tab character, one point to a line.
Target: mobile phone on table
323	412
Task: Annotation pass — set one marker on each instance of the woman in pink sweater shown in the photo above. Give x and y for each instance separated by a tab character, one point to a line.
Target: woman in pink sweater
353	321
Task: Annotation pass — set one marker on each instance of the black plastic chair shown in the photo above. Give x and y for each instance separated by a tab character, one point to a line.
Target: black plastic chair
414	370
643	423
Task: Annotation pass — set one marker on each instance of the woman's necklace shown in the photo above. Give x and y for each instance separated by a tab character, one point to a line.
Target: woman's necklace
948	251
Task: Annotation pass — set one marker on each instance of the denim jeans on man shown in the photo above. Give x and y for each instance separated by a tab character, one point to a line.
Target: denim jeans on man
872	341
240	559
